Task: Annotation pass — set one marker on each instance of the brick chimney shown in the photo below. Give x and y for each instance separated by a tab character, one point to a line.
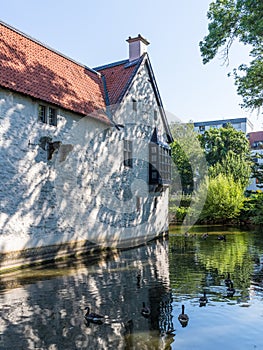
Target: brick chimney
137	47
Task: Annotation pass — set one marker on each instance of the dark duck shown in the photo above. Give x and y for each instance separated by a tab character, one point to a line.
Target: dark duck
230	290
92	317
145	311
183	318
222	238
203	300
228	280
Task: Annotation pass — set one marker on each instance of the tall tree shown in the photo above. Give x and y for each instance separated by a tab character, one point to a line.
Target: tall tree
227	152
235	166
241	20
188	157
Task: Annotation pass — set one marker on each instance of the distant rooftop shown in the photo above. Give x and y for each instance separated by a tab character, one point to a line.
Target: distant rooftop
223	121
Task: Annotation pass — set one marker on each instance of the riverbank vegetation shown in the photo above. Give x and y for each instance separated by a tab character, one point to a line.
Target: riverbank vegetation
223	184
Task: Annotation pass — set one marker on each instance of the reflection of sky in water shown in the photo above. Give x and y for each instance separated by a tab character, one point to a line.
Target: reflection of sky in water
221	326
43	309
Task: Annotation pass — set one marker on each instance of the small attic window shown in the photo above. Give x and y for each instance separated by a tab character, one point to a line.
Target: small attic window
134	105
47	114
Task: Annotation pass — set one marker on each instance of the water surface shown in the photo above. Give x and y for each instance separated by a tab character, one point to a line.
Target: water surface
44	308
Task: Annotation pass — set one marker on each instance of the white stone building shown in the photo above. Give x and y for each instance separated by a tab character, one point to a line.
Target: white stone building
85	157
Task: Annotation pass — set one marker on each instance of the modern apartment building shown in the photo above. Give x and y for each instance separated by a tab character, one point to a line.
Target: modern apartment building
242	124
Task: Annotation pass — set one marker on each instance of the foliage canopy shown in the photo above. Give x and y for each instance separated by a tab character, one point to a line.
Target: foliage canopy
224	199
227	151
241	20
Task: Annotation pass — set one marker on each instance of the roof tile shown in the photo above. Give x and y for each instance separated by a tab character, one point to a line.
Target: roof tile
30	67
33	69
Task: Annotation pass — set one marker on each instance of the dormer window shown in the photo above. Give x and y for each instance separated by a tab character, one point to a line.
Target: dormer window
47	115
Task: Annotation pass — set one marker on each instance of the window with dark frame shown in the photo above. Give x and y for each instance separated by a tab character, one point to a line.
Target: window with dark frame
127	149
134	104
47	115
52	116
159	164
42	113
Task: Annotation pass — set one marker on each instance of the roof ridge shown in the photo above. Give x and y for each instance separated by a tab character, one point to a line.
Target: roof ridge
48	47
110	65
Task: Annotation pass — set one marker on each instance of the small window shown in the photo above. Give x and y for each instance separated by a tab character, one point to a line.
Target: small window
42	113
155	114
138	203
134	104
52	116
47	115
127	148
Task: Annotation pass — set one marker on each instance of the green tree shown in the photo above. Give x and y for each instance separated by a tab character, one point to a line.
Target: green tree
228	152
235	166
188	157
217	143
224	199
241	20
253	209
182	172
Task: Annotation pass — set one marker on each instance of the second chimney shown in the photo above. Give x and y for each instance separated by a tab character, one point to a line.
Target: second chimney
137	47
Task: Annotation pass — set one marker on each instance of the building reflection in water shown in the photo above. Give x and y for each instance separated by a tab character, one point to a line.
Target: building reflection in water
44	309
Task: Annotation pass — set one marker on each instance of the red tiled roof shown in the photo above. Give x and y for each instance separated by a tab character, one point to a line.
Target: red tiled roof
29	67
118	77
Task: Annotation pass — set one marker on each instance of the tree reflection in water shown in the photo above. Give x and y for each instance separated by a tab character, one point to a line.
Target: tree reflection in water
45	308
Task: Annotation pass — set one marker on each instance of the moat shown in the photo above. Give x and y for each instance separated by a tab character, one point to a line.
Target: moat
43	308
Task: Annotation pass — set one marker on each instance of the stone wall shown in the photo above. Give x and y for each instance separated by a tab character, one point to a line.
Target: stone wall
84	192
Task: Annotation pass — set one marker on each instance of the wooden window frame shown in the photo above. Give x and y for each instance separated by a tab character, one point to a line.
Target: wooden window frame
159	164
47	114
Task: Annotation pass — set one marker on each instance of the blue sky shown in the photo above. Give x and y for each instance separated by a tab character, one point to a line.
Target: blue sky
95	33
